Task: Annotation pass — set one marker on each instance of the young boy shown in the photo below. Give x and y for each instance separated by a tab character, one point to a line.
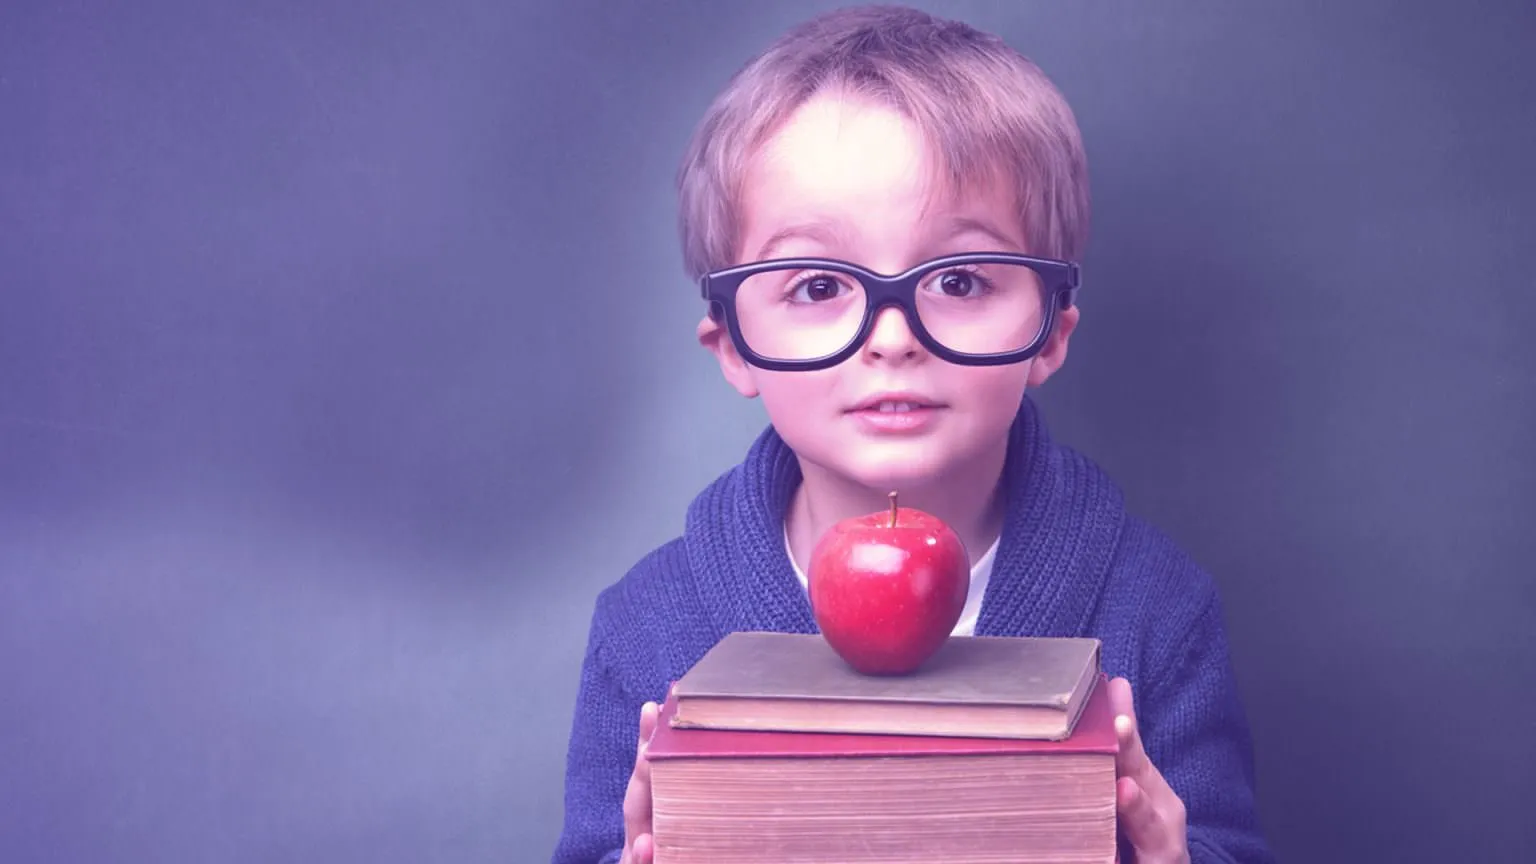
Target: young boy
884	141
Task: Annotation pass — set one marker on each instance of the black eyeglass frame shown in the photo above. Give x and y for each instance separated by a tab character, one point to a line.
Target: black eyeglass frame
1060	281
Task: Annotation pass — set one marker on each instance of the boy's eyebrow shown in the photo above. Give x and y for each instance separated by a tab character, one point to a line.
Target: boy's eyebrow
966	225
820	231
827	234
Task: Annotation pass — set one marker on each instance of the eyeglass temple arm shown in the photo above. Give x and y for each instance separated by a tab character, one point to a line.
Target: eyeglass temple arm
716	313
1074	283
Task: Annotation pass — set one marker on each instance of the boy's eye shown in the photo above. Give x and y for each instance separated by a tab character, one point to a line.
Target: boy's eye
818	288
957	283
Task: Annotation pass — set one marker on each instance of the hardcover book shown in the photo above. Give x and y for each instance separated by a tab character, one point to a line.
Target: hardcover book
973	686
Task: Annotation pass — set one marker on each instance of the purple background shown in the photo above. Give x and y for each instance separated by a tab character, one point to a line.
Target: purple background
345	354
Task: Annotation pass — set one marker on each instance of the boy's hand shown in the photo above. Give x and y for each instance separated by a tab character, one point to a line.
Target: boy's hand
1150	813
639	848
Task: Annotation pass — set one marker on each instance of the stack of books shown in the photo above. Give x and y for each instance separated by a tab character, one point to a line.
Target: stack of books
999	749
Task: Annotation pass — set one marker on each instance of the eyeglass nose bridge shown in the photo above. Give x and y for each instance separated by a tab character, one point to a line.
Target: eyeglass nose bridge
900	292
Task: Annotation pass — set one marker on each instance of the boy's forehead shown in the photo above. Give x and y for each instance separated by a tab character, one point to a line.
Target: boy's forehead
839	146
837	169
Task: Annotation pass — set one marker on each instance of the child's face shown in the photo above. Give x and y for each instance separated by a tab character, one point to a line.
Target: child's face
853	180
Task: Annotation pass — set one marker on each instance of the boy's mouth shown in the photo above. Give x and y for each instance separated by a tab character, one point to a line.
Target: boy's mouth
895	414
895	403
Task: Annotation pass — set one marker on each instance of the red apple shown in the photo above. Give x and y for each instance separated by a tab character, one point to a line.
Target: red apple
887	588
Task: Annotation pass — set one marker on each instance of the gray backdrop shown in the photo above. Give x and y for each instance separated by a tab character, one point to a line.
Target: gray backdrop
345	355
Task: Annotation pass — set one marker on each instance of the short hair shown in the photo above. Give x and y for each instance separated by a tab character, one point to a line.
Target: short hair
983	106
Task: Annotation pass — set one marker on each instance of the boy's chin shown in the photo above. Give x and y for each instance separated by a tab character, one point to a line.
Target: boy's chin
884	470
918	465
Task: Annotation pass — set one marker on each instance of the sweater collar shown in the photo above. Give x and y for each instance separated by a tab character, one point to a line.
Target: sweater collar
1062	523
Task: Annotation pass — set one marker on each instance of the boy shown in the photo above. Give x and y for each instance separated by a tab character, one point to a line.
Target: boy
885	141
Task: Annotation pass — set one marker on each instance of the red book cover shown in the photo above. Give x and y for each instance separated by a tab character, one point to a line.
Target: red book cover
1094	733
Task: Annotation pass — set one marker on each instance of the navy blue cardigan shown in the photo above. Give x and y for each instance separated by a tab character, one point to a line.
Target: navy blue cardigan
1071	562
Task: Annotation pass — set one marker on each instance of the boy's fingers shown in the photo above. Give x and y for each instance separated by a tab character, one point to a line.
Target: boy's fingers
1132	760
1120	696
637	807
648	713
637	796
1131	755
637	800
641	851
1143	826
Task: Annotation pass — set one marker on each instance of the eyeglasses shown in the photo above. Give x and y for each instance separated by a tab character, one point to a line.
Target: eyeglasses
976	309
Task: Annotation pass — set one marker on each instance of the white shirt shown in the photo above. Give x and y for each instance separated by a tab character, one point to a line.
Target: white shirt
981	571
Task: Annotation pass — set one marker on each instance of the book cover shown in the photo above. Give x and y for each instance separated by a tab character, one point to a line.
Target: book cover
973	686
1094	733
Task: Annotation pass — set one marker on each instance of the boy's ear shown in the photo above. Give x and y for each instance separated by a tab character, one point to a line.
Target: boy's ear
1055	353
713	336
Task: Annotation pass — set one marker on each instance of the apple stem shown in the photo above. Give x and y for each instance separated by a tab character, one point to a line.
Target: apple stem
893	509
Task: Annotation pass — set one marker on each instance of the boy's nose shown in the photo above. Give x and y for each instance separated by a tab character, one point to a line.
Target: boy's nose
891	338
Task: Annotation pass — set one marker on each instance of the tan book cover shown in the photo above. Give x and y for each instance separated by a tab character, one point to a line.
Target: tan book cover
973	686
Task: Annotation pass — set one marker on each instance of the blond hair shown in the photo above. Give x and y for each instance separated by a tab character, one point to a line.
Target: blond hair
986	109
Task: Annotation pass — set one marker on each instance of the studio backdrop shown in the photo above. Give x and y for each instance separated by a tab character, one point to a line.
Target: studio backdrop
346	354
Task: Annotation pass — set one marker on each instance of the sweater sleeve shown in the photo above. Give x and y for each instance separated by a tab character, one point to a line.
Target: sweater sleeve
599	761
1196	733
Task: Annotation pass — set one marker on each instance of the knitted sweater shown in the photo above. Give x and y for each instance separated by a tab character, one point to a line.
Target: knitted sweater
1071	562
